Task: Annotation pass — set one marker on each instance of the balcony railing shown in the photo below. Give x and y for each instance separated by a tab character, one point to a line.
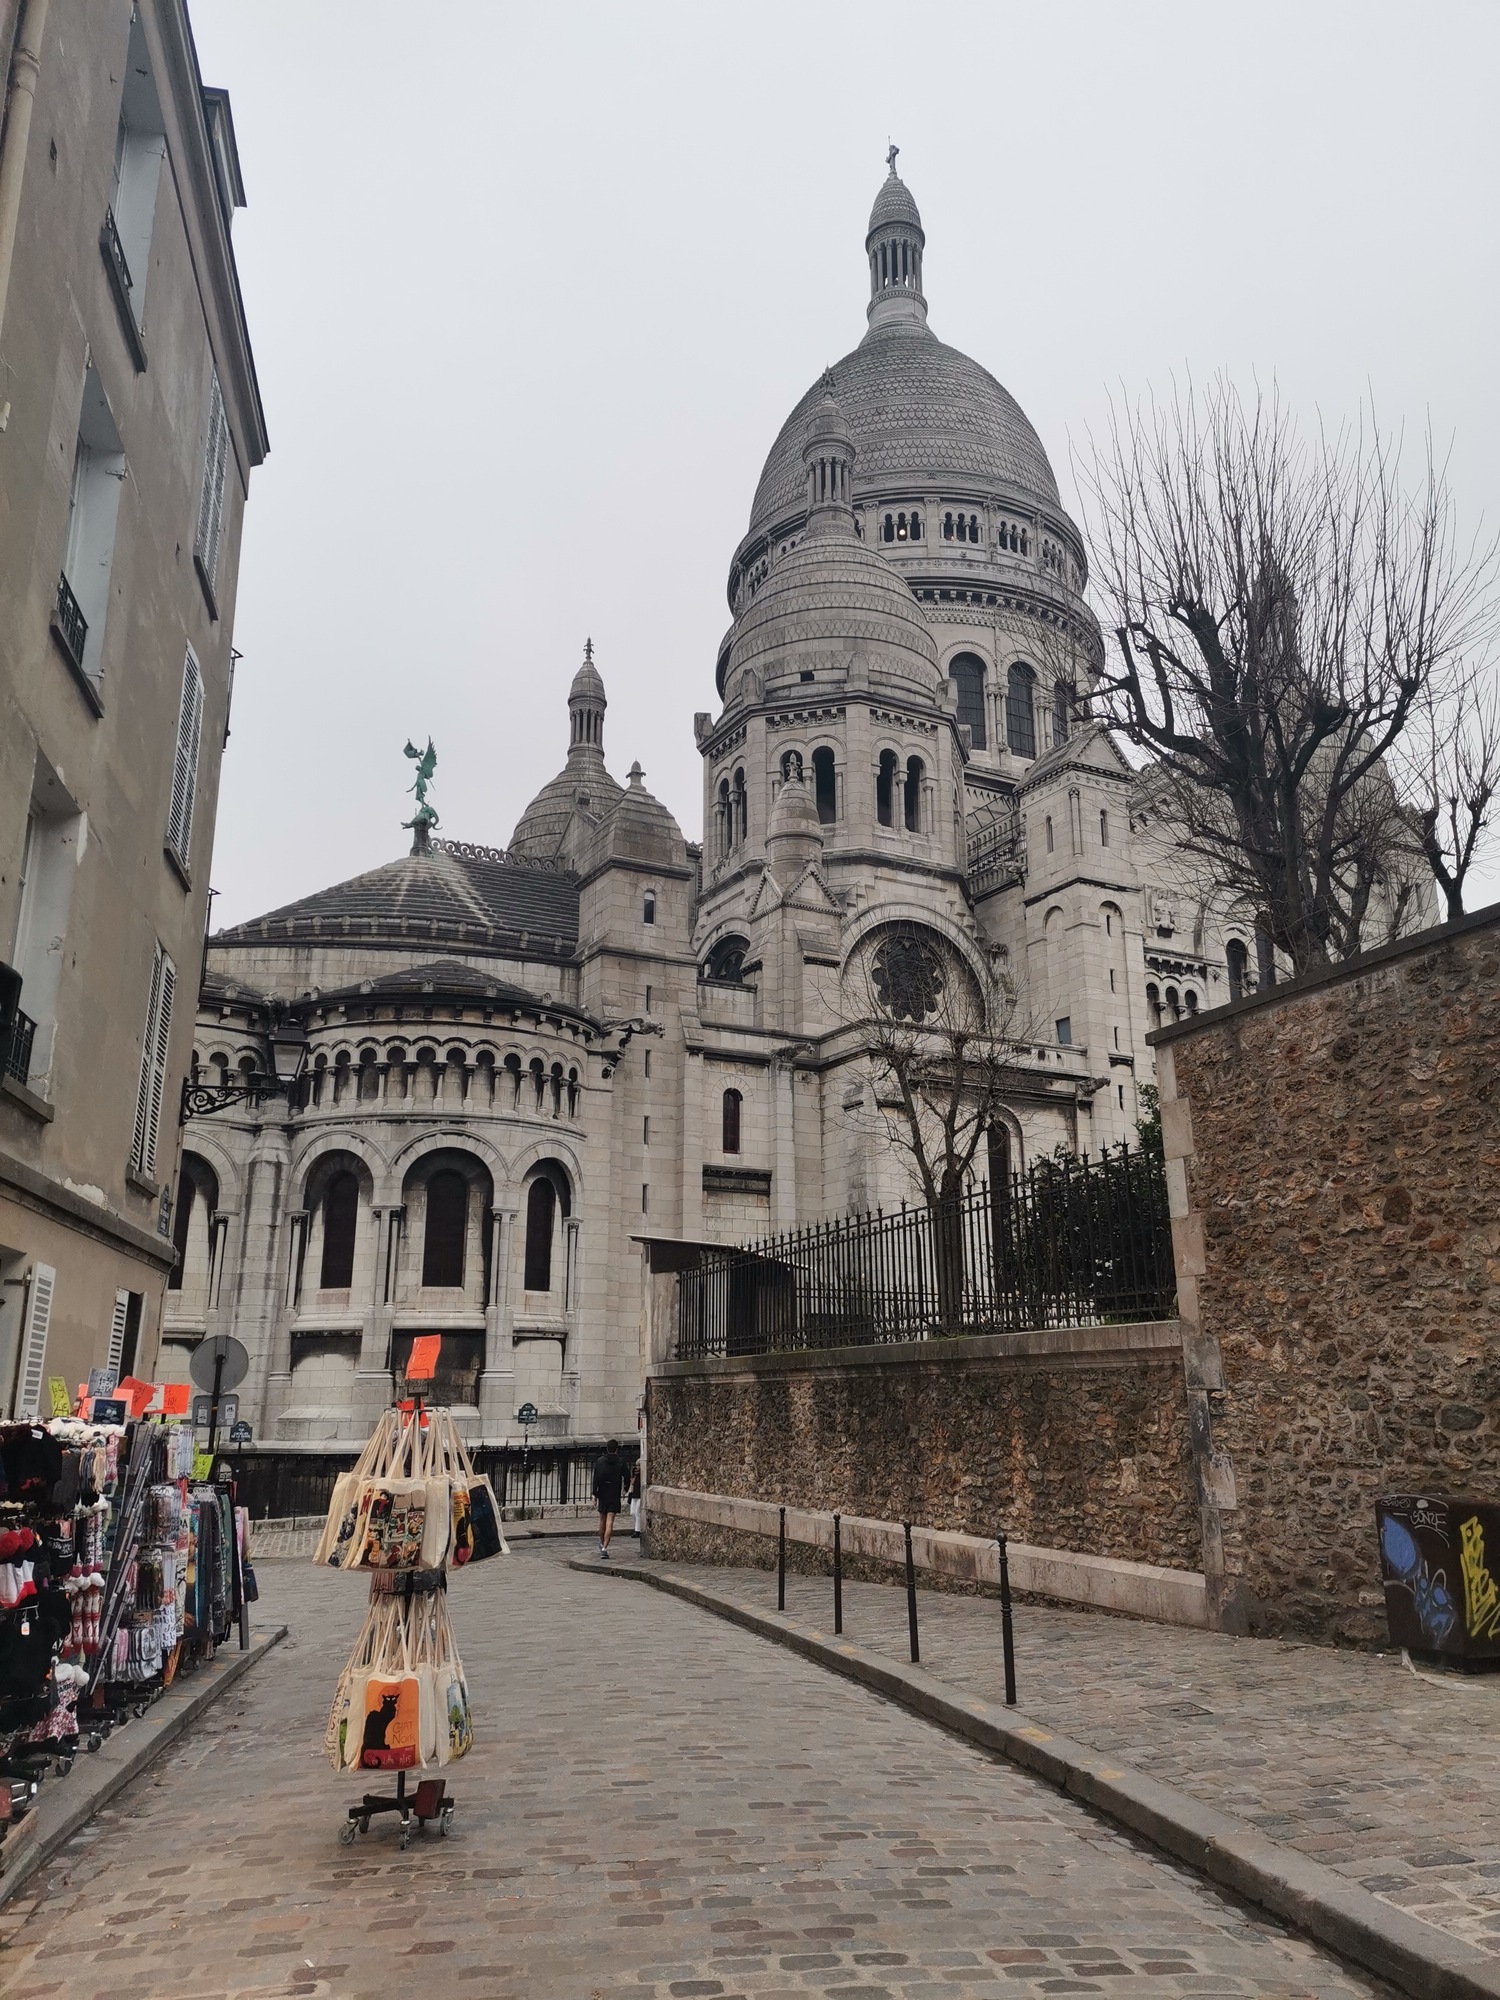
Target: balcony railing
123	286
69	623
18	1047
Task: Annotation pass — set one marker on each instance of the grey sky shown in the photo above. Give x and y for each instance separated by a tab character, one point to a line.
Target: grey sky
533	288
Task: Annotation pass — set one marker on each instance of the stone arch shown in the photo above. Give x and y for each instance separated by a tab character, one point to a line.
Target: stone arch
448	1196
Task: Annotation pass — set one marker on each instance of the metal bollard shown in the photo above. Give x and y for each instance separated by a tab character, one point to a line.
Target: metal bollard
838	1580
781	1564
1007	1633
911	1596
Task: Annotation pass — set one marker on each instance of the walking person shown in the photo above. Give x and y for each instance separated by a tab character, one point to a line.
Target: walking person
609	1479
633	1495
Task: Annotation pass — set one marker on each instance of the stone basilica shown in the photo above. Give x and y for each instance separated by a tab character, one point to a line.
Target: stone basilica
523	1061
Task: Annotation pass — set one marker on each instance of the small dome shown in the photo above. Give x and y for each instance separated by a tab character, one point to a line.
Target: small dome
795	814
826	423
641	829
893	204
588	682
583	784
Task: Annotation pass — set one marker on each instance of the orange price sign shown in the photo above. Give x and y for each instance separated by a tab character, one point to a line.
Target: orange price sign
421	1366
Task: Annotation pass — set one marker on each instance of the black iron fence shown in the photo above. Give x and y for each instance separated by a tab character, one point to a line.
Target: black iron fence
279	1485
1069	1243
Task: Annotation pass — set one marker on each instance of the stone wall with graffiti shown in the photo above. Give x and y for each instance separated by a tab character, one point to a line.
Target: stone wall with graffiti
1334	1160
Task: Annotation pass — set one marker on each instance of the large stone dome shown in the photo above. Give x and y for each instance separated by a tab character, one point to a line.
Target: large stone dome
921	414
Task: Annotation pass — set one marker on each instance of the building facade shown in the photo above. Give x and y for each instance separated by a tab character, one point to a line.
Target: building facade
130	420
525	1060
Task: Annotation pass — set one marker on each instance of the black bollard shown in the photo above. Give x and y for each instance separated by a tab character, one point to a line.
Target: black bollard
1007	1634
781	1564
911	1596
838	1580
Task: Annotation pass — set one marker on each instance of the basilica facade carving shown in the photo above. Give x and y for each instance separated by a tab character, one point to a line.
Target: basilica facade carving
523	1061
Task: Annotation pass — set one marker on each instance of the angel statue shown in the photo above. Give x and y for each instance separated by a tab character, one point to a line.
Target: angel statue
426	761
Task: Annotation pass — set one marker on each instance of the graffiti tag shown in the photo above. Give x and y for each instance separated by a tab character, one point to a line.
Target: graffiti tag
1481	1592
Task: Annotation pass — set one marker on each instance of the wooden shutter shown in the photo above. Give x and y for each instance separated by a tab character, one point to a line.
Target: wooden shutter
34	1352
185	768
153	1080
211	500
117	1332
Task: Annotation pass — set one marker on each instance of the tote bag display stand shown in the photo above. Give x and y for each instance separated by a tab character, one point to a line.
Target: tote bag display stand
428	1798
412	1506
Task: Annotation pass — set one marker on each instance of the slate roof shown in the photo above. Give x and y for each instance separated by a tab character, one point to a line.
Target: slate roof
450	978
466	898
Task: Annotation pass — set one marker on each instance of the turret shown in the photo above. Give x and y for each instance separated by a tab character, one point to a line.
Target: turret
894	246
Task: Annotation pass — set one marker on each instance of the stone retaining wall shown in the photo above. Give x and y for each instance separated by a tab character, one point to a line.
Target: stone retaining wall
1334	1160
1075	1438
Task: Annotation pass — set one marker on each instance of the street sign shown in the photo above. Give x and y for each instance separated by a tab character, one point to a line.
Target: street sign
241	1433
526	1414
219	1348
229	1410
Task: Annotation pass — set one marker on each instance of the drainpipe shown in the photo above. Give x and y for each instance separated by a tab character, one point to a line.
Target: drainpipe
25	67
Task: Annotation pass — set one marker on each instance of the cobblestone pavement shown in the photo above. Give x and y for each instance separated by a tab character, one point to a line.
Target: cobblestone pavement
658	1804
1390	1776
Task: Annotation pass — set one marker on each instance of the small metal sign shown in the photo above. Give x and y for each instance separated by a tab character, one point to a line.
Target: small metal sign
526	1414
241	1433
229	1410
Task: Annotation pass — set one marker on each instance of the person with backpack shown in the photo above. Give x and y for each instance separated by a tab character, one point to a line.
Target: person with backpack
609	1480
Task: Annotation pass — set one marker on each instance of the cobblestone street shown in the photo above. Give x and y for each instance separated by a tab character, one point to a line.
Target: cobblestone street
1389	1775
657	1804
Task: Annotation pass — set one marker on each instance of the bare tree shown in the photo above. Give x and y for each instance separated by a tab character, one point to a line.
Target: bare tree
1281	611
943	1060
1451	773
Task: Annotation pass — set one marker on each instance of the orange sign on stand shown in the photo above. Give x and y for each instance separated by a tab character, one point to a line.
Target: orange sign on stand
135	1395
175	1397
422	1363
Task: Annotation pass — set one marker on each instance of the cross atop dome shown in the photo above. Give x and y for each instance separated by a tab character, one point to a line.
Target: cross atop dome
890	160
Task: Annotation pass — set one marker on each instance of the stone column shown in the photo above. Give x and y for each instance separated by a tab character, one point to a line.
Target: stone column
256	1315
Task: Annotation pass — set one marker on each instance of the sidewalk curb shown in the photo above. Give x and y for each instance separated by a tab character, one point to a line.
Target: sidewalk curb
65	1804
1414	1956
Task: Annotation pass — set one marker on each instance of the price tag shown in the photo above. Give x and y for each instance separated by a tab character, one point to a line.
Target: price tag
422	1365
203	1465
62	1402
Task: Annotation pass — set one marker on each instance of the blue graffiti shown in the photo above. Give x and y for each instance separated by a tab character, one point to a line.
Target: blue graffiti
1436	1612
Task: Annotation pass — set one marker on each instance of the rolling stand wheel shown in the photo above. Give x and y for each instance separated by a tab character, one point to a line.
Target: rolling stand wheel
445	1820
96	1741
346	1833
405	1835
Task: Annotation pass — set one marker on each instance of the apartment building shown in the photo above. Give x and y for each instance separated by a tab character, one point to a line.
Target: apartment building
130	420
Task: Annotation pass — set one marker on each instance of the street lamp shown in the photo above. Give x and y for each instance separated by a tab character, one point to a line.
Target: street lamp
288	1044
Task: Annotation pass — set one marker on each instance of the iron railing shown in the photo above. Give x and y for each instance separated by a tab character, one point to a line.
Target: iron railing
546	1475
21	1035
69	622
1069	1243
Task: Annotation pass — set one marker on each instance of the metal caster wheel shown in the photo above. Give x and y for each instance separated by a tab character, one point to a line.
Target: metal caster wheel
96	1741
346	1833
405	1835
445	1820
64	1765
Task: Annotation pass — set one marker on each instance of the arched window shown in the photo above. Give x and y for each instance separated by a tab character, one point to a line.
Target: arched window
973	527
726	962
1020	716
885	789
825	791
1174	1003
1051	843
947	527
541	1209
731	1121
726	819
741	808
1190	1000
967	673
447	1226
181	1223
1062	710
916	527
791	764
1238	960
648	907
912	795
1103	829
1153	1005
539	1080
900	527
513	1071
340	1219
888	532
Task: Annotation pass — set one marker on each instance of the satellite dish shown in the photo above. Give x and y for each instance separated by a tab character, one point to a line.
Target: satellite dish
235	1358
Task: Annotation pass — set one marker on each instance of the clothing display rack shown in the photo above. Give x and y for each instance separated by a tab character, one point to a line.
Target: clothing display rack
117	1572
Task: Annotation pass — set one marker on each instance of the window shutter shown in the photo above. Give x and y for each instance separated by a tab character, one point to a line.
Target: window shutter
117	1333
34	1354
185	768
148	1101
211	500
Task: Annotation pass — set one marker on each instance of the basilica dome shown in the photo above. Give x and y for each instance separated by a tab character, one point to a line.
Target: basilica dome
921	414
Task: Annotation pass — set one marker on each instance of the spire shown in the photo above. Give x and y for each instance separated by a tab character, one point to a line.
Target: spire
894	246
828	455
586	706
